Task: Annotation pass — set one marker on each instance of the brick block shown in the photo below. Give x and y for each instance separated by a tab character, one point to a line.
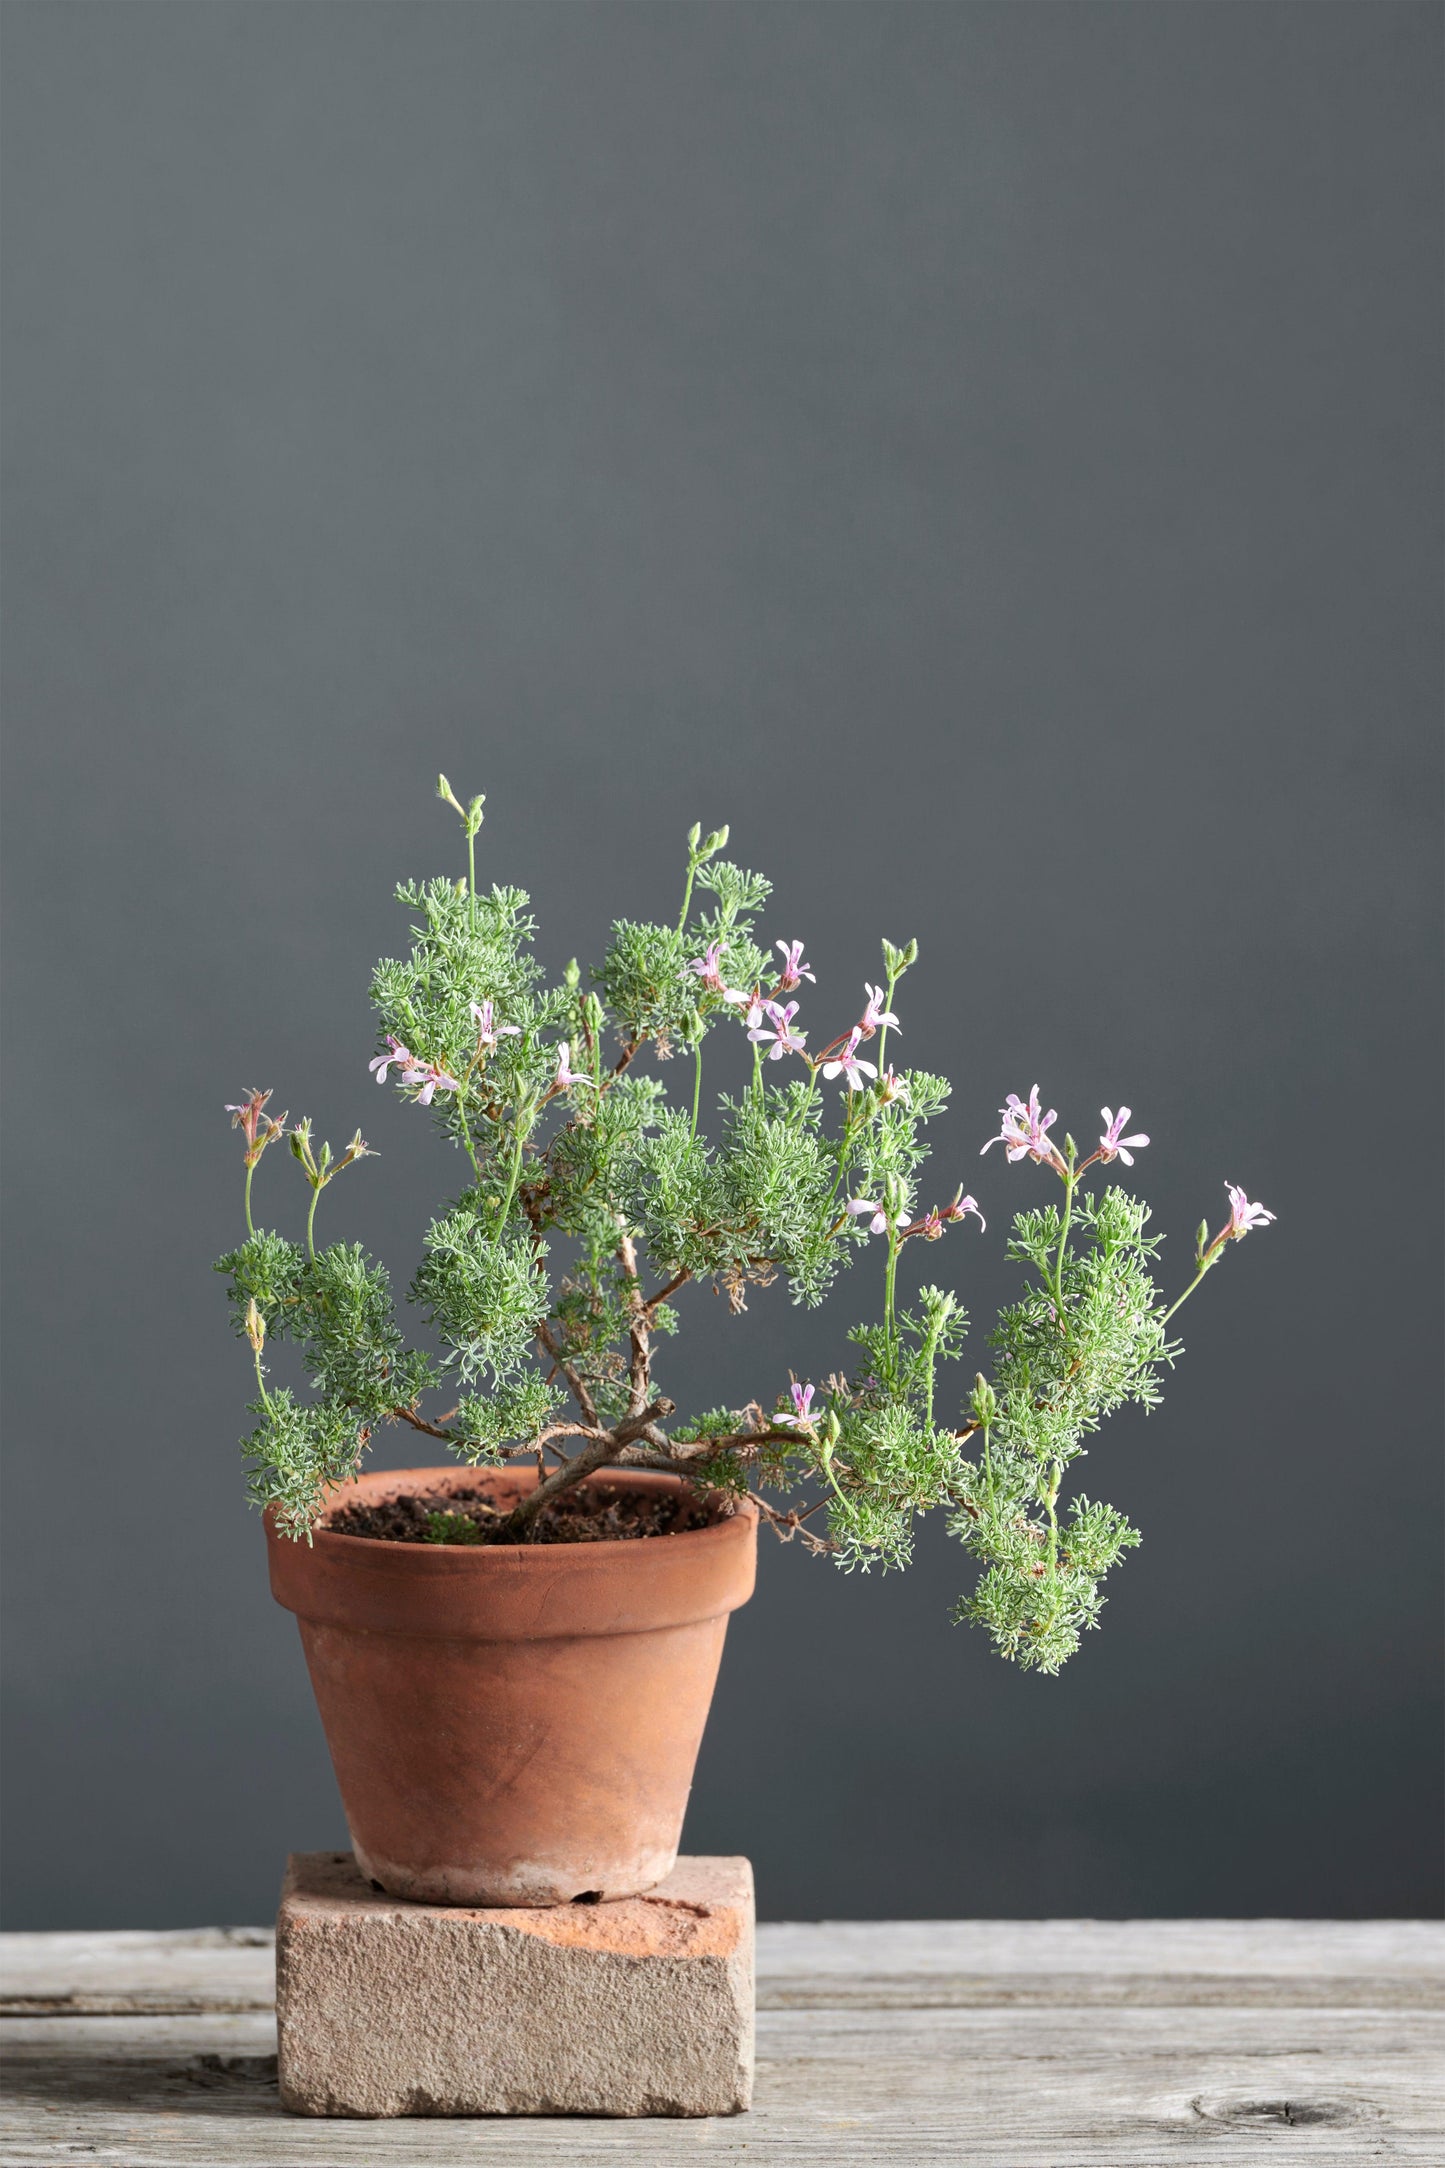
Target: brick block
640	2006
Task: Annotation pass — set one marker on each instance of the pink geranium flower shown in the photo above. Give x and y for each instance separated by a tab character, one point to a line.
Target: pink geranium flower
890	1087
488	1033
400	1057
1243	1215
875	1014
785	1039
848	1063
794	969
708	967
248	1116
1025	1130
878	1224
567	1079
961	1207
1114	1146
257	1127
432	1078
802	1399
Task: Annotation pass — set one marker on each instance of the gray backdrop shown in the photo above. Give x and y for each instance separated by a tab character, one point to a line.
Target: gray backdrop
987	453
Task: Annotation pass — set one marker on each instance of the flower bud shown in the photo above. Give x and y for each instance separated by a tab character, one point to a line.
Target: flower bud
255	1327
573	976
694	835
1201	1239
446	794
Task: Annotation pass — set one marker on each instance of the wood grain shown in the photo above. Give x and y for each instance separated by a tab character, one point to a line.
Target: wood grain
1063	2044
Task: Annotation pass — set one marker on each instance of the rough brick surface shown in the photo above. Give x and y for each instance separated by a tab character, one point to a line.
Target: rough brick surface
643	2006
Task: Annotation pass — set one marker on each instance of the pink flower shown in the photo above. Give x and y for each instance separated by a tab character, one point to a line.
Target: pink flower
567	1079
802	1398
785	1039
848	1061
247	1116
794	969
432	1079
258	1128
960	1208
400	1057
1024	1133
1243	1215
1111	1144
930	1226
875	1014
878	1225
708	967
489	1033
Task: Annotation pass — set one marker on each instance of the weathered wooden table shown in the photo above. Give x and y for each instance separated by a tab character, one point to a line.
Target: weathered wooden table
1035	2044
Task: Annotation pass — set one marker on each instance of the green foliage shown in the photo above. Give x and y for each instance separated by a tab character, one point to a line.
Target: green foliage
889	1149
646	984
268	1271
454	1528
570	1145
1085	1339
295	1453
349	1335
511	1415
485	1292
756	1204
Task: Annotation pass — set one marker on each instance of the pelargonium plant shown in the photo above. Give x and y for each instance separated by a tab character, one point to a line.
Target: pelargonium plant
816	1163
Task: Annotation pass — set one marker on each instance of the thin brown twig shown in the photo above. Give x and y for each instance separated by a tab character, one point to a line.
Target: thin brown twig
679	1279
419	1422
787	1525
575	1382
638	1334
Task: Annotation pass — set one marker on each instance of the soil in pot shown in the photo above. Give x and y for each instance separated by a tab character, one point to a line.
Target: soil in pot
592	1513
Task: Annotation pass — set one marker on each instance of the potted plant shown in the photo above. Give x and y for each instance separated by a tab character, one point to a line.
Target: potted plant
514	1653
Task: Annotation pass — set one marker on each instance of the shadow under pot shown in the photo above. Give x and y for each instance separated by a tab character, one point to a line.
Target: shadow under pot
514	1724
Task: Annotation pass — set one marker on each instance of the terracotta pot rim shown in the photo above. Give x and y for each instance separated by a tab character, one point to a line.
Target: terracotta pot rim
513	1591
519	1557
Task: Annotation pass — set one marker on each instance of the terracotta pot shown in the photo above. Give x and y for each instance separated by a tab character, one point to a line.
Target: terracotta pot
514	1725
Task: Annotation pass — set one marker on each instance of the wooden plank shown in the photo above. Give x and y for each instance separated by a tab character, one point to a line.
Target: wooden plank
1000	2089
883	1963
1069	2044
1275	1947
138	1972
916	1964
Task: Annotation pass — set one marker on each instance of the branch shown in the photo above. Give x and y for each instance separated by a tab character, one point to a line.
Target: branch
593	1432
787	1525
418	1422
607	1447
686	1452
679	1279
574	1378
639	1368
